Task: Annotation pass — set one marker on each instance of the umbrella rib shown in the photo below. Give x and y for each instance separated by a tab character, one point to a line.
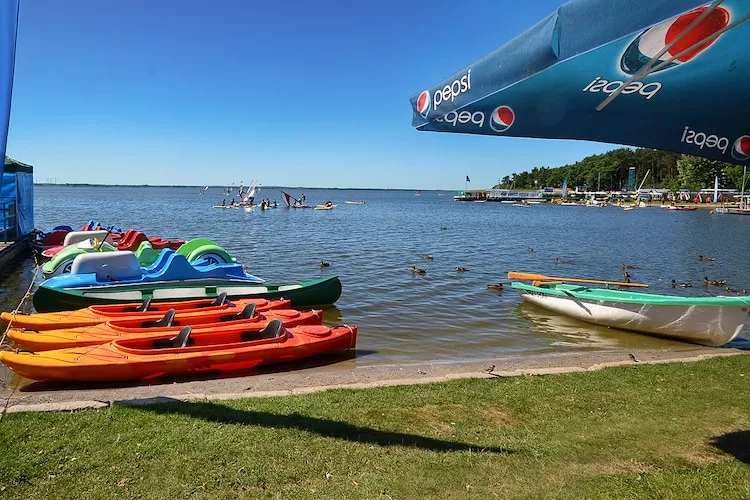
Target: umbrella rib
701	42
647	68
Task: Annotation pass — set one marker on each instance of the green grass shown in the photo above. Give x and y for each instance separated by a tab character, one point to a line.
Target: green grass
665	431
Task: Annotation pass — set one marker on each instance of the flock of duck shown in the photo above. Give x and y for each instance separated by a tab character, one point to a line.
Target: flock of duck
625	274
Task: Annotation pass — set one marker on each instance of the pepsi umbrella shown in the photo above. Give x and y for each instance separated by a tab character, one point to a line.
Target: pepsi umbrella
664	74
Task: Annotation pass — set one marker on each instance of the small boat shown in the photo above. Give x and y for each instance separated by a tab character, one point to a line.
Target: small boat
198	251
247	319
507	201
354	202
480	201
712	321
571	204
75	237
681	208
521	205
327	206
136	359
130	240
138	311
116	277
52	238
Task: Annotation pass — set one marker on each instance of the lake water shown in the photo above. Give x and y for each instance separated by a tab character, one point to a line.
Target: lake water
444	315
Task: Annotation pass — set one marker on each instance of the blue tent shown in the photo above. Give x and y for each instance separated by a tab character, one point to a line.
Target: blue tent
16	200
665	74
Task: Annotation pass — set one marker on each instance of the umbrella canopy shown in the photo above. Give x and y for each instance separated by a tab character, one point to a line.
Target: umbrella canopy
664	74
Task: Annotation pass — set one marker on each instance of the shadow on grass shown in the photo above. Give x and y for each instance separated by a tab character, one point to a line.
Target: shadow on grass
321	360
213	412
735	443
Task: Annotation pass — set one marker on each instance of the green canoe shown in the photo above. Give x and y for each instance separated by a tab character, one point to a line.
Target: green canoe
320	292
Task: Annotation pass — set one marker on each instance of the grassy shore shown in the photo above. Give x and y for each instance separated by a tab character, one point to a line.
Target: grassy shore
663	431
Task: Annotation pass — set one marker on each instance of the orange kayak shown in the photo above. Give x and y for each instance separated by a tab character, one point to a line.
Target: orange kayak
114	330
133	359
95	315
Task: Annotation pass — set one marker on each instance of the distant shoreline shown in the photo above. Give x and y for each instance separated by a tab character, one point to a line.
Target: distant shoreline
72	184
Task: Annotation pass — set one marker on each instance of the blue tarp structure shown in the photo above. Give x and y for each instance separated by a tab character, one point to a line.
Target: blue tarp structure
16	200
664	74
8	29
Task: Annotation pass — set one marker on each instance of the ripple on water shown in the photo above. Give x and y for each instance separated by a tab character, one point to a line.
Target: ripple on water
444	315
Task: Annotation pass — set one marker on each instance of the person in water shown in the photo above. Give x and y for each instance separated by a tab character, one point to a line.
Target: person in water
233	203
328	203
302	199
224	202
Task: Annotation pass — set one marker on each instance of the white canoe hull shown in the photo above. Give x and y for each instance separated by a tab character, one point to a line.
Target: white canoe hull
707	325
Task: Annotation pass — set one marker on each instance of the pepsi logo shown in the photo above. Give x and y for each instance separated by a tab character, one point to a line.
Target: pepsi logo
423	103
741	148
502	119
653	40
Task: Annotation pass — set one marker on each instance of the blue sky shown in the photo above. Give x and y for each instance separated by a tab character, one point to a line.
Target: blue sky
286	93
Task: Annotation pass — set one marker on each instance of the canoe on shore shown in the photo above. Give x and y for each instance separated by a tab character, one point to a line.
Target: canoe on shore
711	321
136	359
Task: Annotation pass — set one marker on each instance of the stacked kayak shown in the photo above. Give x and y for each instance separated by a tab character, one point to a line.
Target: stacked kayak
247	320
144	311
185	353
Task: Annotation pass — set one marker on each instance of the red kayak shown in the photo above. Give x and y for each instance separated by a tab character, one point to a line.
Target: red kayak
249	320
140	311
185	353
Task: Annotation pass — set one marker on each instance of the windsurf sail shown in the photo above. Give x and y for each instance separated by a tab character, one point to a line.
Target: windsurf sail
250	191
287	197
565	189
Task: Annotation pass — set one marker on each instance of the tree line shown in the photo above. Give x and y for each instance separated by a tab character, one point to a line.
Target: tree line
609	171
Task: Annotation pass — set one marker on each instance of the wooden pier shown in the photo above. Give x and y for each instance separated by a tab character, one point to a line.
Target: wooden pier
13	250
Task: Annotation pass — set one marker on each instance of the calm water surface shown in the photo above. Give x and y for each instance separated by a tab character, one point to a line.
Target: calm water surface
443	316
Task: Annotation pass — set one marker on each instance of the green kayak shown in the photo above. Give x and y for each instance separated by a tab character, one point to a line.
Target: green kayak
306	294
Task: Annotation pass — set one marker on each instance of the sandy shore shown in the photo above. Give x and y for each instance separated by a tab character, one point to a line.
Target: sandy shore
303	379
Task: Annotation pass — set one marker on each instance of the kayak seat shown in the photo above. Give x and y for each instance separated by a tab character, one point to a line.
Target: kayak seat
273	330
167	320
181	340
247	313
220	300
144	307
